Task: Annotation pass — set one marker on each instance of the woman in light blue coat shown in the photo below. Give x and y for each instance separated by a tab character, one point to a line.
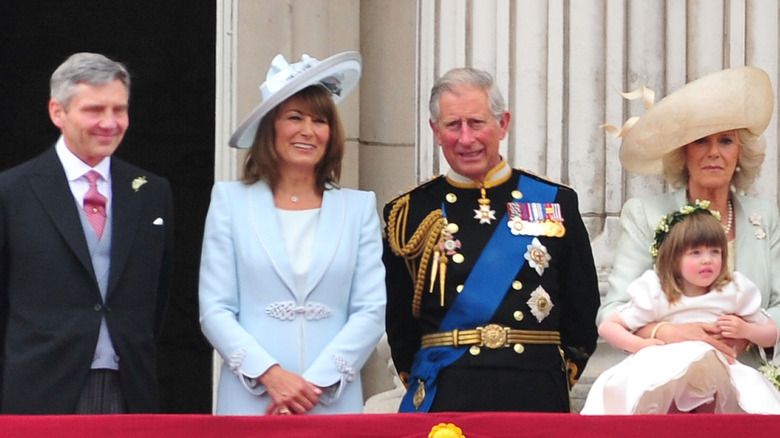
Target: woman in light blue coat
292	291
705	138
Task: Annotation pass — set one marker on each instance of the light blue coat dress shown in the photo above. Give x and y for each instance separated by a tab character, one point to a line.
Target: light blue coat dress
757	249
254	317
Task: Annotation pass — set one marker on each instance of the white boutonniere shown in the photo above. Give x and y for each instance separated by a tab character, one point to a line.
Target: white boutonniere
138	182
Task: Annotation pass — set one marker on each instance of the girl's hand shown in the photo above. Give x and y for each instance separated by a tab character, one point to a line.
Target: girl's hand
732	326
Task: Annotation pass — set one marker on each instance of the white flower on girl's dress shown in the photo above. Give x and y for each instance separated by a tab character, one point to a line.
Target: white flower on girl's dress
755	219
760	234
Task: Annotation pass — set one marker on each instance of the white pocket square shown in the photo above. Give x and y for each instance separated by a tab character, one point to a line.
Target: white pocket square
158	221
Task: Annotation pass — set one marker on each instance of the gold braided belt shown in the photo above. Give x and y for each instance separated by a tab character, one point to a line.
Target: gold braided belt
491	336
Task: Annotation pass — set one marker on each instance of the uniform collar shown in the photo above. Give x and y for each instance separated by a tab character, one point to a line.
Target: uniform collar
496	176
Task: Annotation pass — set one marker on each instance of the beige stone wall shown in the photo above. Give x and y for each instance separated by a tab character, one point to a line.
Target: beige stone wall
387	97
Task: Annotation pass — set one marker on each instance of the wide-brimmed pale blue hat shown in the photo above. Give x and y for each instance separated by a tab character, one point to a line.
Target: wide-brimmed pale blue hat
339	74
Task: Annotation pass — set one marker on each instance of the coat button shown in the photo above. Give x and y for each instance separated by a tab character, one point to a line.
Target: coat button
98	307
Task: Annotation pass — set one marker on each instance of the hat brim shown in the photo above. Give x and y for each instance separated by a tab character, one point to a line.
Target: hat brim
345	65
736	98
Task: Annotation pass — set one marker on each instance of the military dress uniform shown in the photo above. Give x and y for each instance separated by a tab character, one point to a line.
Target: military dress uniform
536	274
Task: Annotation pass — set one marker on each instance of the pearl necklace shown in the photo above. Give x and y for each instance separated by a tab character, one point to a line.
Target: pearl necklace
727	228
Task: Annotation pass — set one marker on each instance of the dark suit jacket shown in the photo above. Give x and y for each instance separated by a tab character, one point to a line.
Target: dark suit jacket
50	304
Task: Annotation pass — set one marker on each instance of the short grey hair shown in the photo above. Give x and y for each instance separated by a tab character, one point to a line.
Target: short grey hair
471	77
86	68
751	157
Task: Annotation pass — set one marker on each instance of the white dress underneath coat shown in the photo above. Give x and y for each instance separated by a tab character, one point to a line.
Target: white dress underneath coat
688	374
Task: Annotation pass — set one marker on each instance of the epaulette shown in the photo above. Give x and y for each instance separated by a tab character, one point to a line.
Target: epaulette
544	178
422	185
418	250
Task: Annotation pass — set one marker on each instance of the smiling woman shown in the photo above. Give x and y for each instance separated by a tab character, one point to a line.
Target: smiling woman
292	289
302	140
301	136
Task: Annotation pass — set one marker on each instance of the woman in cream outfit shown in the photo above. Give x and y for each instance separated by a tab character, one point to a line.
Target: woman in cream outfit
292	289
706	140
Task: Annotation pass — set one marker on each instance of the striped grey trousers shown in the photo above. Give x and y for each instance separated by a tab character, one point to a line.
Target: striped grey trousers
102	394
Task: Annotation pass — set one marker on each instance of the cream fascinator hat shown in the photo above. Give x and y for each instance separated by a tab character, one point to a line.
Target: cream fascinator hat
734	98
338	74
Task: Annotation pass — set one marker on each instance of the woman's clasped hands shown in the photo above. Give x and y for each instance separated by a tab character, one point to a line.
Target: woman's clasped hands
290	393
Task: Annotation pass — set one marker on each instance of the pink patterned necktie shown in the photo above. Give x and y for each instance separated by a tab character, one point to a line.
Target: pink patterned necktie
95	204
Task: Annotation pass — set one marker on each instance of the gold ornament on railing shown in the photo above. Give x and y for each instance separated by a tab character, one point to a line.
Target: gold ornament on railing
446	430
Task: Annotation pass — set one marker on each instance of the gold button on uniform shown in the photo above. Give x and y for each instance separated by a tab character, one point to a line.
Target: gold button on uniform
517	194
458	258
452	228
517	285
459	288
519	349
451	197
518	315
474	350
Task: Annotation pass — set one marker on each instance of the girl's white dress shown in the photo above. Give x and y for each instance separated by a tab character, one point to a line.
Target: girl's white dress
685	374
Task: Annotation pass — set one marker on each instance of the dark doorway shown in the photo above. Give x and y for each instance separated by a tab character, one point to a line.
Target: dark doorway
169	48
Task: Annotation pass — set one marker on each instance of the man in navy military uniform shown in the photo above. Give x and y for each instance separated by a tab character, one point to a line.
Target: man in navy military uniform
492	289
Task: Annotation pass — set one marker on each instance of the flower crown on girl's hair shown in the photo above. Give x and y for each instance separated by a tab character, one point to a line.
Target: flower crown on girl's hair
668	221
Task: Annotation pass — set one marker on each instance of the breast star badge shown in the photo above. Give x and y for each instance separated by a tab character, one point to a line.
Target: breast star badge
540	303
537	256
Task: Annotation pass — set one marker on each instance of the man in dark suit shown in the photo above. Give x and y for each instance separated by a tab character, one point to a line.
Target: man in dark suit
492	289
86	245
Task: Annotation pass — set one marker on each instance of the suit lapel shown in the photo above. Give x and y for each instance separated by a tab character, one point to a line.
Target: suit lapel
125	211
326	241
266	227
50	186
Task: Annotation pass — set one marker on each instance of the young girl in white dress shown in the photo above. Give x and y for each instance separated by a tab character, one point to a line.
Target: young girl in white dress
691	283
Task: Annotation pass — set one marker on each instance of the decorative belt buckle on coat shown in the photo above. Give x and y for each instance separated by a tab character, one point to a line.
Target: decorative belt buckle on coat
493	336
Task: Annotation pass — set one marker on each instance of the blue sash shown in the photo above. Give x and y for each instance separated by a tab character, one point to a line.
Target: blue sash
485	288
